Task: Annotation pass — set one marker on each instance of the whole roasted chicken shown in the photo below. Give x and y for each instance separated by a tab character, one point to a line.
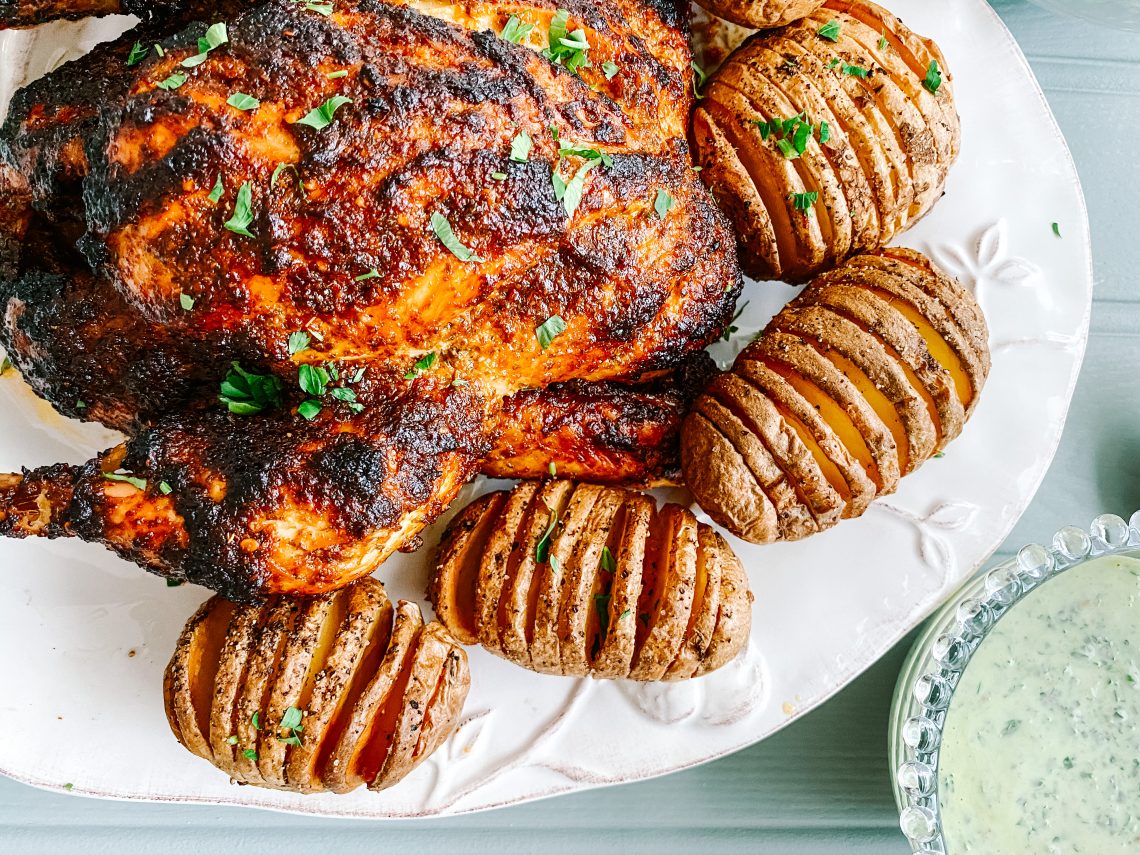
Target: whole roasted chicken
323	262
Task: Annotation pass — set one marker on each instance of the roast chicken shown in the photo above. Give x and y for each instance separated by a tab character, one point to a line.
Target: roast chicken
324	263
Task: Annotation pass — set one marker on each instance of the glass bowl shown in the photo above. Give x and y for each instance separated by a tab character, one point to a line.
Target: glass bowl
935	664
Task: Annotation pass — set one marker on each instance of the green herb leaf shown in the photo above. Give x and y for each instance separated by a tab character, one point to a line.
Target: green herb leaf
80	405
232	739
137	483
625	614
172	82
216	36
371	274
255	720
336	75
520	147
515	31
585	152
883	41
610	69
854	70
787	149
219	189
732	324
343	393
291	720
321	117
69	787
165	488
138	54
700	76
293	739
281	167
174	583
309	409
442	230
325	9
663	204
186	302
313	379
824	132
933	78
5	364
299	341
609	563
249	754
564	47
499	176
241	101
829	31
423	364
542	548
764	127
549	330
804	201
1057	229
158	49
573	189
243	214
602	607
245	393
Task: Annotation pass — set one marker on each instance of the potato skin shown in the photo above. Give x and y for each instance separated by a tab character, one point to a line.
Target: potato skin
294	693
761	13
806	420
880	165
603	584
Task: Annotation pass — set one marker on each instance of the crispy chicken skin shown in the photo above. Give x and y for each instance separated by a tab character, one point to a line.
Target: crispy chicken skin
126	298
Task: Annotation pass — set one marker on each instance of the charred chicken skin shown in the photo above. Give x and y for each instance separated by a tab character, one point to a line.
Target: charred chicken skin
322	269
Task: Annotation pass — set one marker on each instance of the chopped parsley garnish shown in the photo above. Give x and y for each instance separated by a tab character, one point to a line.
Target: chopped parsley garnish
186	302
325	9
336	75
216	36
829	31
442	230
281	167
609	563
5	364
550	329
732	328
933	78
515	31
137	483
499	176
564	47
158	49
602	607
172	82
1057	229
232	739
249	754
423	364
791	134
586	153
309	410
243	214
520	147
165	488
313	379
321	117
824	132
663	204
542	548
69	787
219	188
138	54
255	720
174	583
698	80
804	201
80	405
245	393
291	724
299	341
883	41
364	277
553	469
610	69
854	70
241	101
570	192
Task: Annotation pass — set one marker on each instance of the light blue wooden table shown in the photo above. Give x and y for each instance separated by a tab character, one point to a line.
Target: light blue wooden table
821	786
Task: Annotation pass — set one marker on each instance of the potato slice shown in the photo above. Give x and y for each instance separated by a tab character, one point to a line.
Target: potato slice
761	13
460	557
706	606
734	619
502	552
189	680
228	680
637	519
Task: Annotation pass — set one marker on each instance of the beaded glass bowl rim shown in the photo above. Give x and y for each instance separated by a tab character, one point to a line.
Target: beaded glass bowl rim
935	663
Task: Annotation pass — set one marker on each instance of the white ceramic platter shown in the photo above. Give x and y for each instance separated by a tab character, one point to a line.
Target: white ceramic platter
84	636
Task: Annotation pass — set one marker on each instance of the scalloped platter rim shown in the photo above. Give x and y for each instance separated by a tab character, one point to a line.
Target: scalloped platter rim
94	632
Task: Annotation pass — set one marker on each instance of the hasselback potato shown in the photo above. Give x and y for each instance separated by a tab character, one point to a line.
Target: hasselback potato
761	13
577	579
315	693
826	137
874	368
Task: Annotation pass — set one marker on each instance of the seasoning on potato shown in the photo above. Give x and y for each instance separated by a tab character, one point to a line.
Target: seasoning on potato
579	579
826	138
761	13
315	693
872	370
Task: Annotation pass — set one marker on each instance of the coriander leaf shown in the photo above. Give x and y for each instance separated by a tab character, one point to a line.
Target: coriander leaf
291	720
336	75
549	330
249	754
824	132
137	483
219	188
255	720
559	186
186	302
698	80
575	187
371	274
553	469
515	31
602	607
423	364
5	364
293	739
663	203
883	41
321	117
241	101
281	167
520	147
80	405
566	48
829	31
245	393
174	583
232	739
172	82
933	77
299	341
243	215
309	409
158	49
586	153
1057	229
313	379
610	69
764	127
800	137
138	54
499	176
325	9
216	36
542	548
787	149
855	71
343	393
804	201
442	230
609	564
165	488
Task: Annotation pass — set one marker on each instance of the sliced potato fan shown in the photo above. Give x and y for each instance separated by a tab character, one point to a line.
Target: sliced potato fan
873	369
315	693
826	137
579	579
761	13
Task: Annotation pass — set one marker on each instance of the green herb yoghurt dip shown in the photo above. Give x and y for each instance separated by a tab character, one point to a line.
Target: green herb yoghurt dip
1040	751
